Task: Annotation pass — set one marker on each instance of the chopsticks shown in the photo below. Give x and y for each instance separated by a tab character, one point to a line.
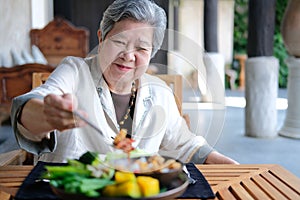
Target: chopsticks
86	120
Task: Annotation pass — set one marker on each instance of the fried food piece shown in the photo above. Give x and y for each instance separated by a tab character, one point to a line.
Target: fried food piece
120	136
122	142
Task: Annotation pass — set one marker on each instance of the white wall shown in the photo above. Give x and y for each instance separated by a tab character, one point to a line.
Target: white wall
191	45
14	27
41	12
225	28
191	24
18	17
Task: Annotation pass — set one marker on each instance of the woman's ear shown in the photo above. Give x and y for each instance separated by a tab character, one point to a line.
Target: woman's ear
99	33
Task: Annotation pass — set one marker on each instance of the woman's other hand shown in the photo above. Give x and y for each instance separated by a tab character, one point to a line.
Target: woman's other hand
216	158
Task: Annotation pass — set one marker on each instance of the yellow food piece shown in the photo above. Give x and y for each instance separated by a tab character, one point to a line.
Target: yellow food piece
149	186
121	177
128	185
125	189
129	188
110	191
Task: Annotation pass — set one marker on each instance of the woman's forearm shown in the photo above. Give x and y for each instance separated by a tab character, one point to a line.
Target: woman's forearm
33	118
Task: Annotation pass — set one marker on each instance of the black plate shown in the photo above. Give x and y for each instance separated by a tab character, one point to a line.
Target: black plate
175	188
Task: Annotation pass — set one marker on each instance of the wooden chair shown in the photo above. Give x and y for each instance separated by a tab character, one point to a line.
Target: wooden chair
15	157
174	81
39	78
15	81
59	39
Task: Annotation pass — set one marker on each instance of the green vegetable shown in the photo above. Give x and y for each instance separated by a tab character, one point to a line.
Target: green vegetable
89	184
76	163
108	174
81	185
92	193
56	183
54	172
91	158
77	176
62	182
72	187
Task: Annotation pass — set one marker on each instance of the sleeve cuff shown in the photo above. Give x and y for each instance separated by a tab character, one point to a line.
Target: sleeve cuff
30	136
201	154
24	141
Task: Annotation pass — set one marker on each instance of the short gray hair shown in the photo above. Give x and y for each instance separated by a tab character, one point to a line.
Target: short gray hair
145	11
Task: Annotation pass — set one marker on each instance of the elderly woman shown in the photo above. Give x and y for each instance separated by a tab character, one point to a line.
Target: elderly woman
113	91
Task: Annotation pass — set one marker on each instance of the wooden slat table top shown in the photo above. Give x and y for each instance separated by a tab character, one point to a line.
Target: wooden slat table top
262	181
253	181
11	178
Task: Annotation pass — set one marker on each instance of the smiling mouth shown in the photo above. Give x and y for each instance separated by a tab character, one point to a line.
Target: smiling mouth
124	67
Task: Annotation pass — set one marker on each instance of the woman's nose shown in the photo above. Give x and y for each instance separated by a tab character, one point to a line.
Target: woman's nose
128	55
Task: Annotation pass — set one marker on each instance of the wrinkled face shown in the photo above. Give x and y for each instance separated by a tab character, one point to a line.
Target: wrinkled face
126	51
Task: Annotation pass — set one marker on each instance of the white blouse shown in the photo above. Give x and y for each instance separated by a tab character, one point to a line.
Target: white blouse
157	125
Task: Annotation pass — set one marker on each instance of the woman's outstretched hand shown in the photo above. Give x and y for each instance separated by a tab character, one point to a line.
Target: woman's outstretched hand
58	111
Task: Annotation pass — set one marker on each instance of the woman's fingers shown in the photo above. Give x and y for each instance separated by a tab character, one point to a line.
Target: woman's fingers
71	101
58	111
63	102
79	122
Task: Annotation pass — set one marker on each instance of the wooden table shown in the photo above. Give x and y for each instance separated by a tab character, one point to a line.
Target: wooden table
264	181
15	157
251	181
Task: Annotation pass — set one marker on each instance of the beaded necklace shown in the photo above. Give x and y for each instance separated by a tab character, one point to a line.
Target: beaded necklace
131	103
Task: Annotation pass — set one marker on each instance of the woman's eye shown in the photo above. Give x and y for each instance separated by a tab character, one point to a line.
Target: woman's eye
119	42
142	48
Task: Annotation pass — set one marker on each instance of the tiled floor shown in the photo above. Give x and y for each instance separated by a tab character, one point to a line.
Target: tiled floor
7	139
279	150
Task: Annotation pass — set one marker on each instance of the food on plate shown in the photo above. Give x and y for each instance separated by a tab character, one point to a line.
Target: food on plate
91	158
162	168
122	142
94	177
119	154
121	177
146	164
127	184
77	178
149	186
130	189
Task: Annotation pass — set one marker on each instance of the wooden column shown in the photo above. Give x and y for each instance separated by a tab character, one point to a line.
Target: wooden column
261	71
